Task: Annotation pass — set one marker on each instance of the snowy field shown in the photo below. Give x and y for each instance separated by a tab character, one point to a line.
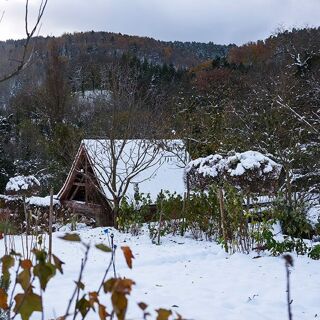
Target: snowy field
195	278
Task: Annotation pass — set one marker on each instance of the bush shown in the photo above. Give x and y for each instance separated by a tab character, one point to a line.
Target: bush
314	253
202	217
277	248
293	221
245	228
134	214
167	217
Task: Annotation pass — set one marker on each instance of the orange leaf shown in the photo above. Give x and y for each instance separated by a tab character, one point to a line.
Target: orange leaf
26	264
93	297
103	314
123	286
3	300
128	255
120	304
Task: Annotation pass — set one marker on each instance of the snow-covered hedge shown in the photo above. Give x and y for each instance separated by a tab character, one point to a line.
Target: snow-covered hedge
33	201
250	171
22	185
42	201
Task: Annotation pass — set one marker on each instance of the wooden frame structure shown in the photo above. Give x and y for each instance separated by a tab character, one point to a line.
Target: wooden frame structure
82	192
94	179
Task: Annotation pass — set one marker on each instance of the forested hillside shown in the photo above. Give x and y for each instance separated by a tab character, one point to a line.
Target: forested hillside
263	96
84	53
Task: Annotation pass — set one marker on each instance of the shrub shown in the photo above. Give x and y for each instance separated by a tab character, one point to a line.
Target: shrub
314	253
202	217
277	248
293	220
168	216
134	214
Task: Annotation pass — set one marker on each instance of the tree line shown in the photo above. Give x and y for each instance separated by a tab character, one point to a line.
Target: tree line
262	96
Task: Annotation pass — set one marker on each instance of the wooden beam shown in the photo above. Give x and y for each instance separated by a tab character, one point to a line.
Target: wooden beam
79	184
86	179
74	193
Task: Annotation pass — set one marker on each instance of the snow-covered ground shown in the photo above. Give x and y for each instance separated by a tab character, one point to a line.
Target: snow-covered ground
195	278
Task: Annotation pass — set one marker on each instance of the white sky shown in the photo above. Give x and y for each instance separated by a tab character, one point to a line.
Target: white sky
220	21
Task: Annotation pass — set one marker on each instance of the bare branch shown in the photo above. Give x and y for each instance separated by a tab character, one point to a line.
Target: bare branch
2	15
300	118
25	57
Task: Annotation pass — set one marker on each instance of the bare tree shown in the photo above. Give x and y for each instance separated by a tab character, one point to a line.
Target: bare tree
121	165
130	122
27	51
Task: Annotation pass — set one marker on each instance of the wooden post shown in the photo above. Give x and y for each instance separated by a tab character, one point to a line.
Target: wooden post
73	219
159	229
26	215
248	202
188	186
160	219
183	229
222	215
288	189
50	223
86	180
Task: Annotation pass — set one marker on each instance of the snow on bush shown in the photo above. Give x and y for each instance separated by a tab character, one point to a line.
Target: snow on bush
42	201
253	172
203	172
250	171
22	184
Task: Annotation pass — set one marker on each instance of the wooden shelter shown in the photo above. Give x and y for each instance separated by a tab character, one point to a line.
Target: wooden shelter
81	191
85	190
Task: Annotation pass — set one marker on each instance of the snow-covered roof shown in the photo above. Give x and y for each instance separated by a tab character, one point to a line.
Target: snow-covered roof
150	165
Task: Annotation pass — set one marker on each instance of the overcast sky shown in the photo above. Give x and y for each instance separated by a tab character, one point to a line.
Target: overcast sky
220	21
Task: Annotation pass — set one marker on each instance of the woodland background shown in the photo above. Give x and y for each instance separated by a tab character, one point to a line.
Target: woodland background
262	96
